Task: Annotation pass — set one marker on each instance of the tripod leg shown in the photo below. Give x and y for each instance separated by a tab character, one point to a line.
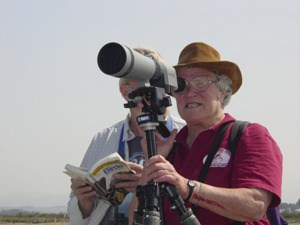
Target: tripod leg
151	218
137	218
186	216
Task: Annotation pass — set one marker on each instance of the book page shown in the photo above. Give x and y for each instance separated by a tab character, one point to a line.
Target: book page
78	173
84	175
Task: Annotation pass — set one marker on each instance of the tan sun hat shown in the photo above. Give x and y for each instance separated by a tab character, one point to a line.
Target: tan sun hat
200	54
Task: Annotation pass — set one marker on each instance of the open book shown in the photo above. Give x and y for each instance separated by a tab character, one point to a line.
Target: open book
100	177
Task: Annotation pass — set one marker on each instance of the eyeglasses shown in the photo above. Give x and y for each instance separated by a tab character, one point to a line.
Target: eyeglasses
199	83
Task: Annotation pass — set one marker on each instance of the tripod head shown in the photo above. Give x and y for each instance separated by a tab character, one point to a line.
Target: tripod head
155	103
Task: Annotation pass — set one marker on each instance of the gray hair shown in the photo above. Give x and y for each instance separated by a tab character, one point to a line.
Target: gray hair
224	85
148	52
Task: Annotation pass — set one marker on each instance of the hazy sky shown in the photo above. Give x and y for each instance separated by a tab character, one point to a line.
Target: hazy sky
54	98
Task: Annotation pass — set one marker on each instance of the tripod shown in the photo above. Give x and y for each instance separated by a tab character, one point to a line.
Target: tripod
149	210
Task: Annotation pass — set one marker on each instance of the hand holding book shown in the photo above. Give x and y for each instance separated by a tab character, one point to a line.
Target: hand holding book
100	177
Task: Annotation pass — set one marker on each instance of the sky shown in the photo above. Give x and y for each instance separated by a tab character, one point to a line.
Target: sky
54	98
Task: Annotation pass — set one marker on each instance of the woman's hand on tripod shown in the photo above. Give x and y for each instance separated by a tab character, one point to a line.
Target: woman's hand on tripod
129	181
160	170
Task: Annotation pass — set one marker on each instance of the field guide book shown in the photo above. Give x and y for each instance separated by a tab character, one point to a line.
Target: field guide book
100	177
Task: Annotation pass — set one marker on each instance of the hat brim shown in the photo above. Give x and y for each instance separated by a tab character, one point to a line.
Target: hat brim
230	69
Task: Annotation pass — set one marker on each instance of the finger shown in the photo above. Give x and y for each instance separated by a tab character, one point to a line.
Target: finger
168	145
144	147
171	138
78	183
86	189
87	195
156	166
158	136
154	160
127	177
126	185
135	167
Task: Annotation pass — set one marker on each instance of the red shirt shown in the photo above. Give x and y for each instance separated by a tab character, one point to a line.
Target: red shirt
257	163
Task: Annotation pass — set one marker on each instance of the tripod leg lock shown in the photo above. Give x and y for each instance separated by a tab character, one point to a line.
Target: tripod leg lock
188	218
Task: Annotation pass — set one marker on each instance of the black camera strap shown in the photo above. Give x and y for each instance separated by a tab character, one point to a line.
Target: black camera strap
235	134
212	152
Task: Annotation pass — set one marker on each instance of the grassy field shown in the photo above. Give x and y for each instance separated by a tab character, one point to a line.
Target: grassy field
60	223
36	218
293	219
61	219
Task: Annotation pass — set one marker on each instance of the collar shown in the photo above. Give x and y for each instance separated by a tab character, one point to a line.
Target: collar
182	134
127	133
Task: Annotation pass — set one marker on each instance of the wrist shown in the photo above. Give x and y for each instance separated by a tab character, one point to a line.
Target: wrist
191	186
86	208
